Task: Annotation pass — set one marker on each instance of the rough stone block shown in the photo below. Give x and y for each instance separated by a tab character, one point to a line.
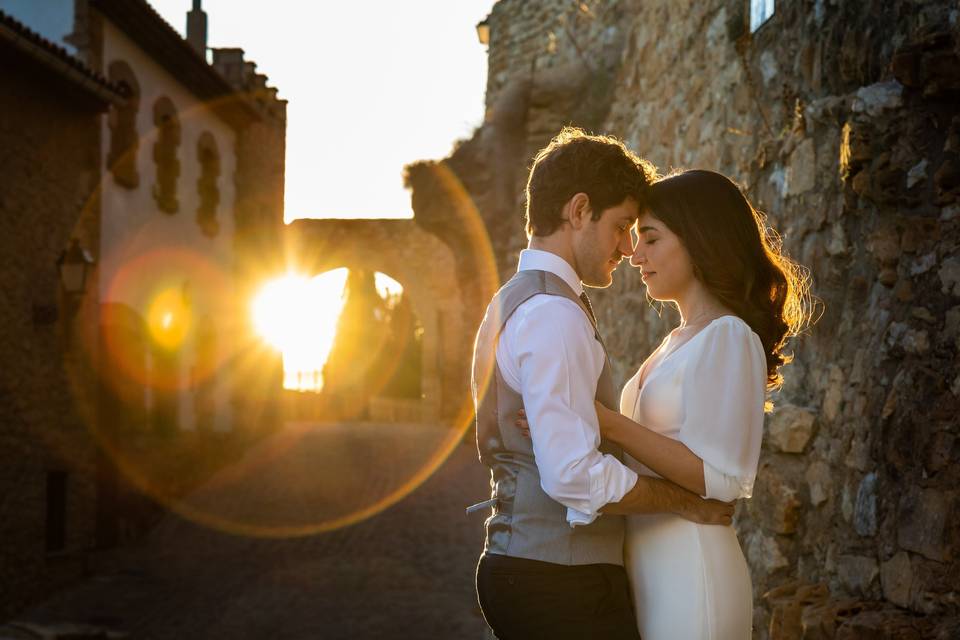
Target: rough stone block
801	175
857	573
873	100
884	244
833	394
916	341
821	621
865	508
858	455
787	603
950	276
951	326
838	245
775	503
763	552
819	482
923	518
923	264
917	173
887	624
947	181
896	578
791	428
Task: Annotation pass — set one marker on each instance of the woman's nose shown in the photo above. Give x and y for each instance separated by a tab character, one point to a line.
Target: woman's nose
637	258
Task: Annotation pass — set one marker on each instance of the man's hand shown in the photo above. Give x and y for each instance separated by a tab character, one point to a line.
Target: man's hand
522	424
656	495
707	512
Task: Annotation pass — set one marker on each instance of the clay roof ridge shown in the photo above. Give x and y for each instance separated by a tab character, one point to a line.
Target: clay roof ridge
152	33
59	52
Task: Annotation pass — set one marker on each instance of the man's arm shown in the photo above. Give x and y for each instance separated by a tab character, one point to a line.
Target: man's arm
667	457
558	361
655	495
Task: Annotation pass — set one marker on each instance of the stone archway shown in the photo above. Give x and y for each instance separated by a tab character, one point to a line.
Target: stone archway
423	265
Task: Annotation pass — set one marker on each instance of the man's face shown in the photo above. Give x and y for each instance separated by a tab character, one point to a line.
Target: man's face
600	244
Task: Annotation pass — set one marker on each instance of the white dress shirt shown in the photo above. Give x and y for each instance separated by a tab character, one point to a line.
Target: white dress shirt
547	352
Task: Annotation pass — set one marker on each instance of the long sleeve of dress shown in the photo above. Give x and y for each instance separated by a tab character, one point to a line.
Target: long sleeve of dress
724	389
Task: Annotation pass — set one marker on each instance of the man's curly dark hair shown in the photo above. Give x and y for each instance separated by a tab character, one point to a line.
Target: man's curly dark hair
577	162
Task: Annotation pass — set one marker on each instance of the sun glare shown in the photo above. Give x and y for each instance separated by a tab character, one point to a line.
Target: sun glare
298	316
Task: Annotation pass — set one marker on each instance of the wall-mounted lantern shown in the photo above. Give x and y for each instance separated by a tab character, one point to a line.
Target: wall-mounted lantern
75	265
483	32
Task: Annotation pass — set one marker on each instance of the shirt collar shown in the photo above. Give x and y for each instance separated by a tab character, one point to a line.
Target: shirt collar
538	260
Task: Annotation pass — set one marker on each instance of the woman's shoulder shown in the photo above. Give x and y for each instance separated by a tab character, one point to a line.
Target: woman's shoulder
730	332
727	348
731	326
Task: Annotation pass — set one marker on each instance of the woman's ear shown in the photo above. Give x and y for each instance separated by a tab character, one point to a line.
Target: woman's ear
578	210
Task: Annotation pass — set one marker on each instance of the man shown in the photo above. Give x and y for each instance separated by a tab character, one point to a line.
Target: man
552	565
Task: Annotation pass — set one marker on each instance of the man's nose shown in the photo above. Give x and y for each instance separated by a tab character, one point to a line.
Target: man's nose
626	246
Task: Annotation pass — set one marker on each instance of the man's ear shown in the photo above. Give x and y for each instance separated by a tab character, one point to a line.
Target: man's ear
578	210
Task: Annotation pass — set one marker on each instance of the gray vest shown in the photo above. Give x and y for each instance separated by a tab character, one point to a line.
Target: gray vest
526	522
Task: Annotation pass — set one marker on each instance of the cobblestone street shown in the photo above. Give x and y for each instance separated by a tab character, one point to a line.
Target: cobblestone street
406	572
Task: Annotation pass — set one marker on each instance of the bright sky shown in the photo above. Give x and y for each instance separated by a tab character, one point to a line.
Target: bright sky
371	85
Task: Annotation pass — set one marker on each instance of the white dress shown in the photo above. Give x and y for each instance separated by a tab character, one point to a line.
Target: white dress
690	581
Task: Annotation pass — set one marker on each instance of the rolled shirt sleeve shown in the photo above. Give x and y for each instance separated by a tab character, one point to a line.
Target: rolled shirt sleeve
558	362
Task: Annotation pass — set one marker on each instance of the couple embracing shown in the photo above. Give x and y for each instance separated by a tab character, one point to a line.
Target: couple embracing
611	517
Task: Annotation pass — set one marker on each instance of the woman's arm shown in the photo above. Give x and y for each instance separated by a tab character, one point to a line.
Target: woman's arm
665	456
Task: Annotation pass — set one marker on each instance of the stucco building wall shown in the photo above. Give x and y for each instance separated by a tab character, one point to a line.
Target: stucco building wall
134	228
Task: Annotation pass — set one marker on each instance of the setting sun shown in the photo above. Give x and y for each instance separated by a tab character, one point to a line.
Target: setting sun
298	315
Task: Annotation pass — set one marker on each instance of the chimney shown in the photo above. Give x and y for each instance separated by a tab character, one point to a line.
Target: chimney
197	29
229	62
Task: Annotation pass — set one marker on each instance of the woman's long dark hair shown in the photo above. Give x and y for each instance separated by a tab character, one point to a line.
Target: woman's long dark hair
737	257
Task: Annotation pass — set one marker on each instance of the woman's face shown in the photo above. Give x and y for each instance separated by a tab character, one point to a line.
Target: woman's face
664	262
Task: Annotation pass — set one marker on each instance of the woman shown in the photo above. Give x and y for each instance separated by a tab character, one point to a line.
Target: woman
693	412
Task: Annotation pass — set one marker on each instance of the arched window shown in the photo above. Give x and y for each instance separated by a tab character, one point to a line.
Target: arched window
122	121
209	160
165	154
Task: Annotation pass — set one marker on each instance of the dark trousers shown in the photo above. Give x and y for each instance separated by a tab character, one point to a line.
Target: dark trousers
529	599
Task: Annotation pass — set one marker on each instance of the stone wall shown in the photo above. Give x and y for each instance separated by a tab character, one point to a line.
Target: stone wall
841	121
49	161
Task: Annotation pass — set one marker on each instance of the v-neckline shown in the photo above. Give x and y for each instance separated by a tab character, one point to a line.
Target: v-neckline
642	379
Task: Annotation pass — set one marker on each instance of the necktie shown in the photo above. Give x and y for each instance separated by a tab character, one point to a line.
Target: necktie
586	303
